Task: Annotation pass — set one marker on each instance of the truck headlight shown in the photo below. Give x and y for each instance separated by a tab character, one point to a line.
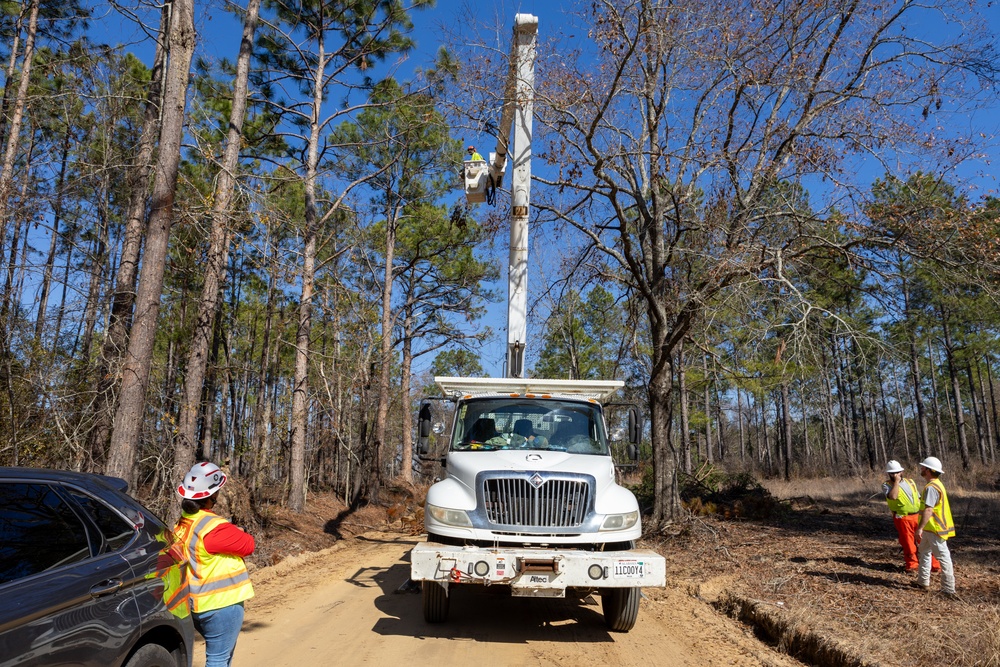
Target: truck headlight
449	517
620	521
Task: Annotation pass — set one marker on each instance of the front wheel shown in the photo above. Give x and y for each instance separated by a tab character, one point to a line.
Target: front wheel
435	602
621	608
151	655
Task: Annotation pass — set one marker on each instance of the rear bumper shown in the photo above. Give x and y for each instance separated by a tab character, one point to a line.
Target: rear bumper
536	572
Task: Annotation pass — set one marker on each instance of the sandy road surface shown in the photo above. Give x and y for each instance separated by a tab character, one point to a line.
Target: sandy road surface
340	606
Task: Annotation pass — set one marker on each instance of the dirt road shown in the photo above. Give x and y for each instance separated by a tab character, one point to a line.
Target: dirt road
340	606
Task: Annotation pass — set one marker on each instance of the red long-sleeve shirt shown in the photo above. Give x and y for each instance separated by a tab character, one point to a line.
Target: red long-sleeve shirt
228	539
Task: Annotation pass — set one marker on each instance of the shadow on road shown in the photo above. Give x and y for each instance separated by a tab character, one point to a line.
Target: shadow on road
479	613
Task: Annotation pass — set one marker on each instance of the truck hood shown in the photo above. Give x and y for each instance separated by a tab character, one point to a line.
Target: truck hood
458	490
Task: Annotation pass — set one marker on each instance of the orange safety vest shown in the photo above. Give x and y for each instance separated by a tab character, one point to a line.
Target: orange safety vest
907	502
940	522
214	580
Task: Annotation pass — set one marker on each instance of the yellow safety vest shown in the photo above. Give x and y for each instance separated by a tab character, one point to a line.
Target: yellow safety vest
940	522
214	580
170	566
908	500
176	594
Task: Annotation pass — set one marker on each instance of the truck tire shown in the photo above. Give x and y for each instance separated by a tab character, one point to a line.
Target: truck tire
621	608
436	601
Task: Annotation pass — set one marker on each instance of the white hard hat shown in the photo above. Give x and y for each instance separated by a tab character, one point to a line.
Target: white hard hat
202	480
893	467
933	463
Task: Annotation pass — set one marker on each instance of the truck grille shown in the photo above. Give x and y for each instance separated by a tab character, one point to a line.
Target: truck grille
536	502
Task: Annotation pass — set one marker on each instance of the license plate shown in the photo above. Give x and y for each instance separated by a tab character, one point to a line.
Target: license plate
629	569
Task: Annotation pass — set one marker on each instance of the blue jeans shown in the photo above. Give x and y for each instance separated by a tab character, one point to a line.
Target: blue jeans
221	629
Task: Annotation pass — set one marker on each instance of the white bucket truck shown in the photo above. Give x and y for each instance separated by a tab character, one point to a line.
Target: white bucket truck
529	499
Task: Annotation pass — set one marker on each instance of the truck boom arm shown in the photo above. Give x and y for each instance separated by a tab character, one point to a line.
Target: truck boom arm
515	118
518	103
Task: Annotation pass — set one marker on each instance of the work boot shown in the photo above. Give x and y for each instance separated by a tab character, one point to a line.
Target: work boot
923	588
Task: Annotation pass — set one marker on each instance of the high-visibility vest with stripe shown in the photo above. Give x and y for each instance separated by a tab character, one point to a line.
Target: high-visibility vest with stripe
940	522
214	580
908	500
170	567
176	593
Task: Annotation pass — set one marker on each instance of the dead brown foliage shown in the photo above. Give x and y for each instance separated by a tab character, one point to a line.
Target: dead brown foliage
327	519
823	579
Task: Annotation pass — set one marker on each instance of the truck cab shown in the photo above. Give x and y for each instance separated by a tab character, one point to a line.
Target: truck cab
529	498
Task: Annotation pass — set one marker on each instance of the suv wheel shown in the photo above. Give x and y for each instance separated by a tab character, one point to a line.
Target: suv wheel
152	655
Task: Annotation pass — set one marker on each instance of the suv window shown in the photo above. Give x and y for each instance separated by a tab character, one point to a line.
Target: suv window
116	531
38	531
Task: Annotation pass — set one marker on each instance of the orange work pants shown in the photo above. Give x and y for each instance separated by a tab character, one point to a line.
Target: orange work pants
906	526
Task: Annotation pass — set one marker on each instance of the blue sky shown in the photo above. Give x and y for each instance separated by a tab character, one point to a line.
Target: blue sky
218	37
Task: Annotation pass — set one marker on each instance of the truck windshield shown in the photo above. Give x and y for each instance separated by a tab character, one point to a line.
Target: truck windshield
524	423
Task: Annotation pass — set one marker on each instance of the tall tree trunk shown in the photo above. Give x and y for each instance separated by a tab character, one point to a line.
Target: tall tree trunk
20	223
261	444
883	423
977	413
923	434
385	356
9	74
666	493
709	455
956	393
50	258
685	416
720	432
71	236
806	449
832	441
17	118
902	415
846	408
993	408
739	415
786	428
938	427
139	356
300	395
97	261
988	419
217	259
406	457
115	338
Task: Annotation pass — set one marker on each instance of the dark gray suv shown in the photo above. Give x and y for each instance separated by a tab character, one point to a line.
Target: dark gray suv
86	575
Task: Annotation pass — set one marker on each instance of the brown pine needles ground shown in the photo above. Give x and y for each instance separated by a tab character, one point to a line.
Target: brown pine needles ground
822	576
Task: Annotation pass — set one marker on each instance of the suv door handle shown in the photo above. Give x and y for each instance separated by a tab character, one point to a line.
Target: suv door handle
106	587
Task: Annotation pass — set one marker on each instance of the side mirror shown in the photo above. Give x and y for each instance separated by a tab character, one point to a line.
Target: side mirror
634	429
632	451
423	429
